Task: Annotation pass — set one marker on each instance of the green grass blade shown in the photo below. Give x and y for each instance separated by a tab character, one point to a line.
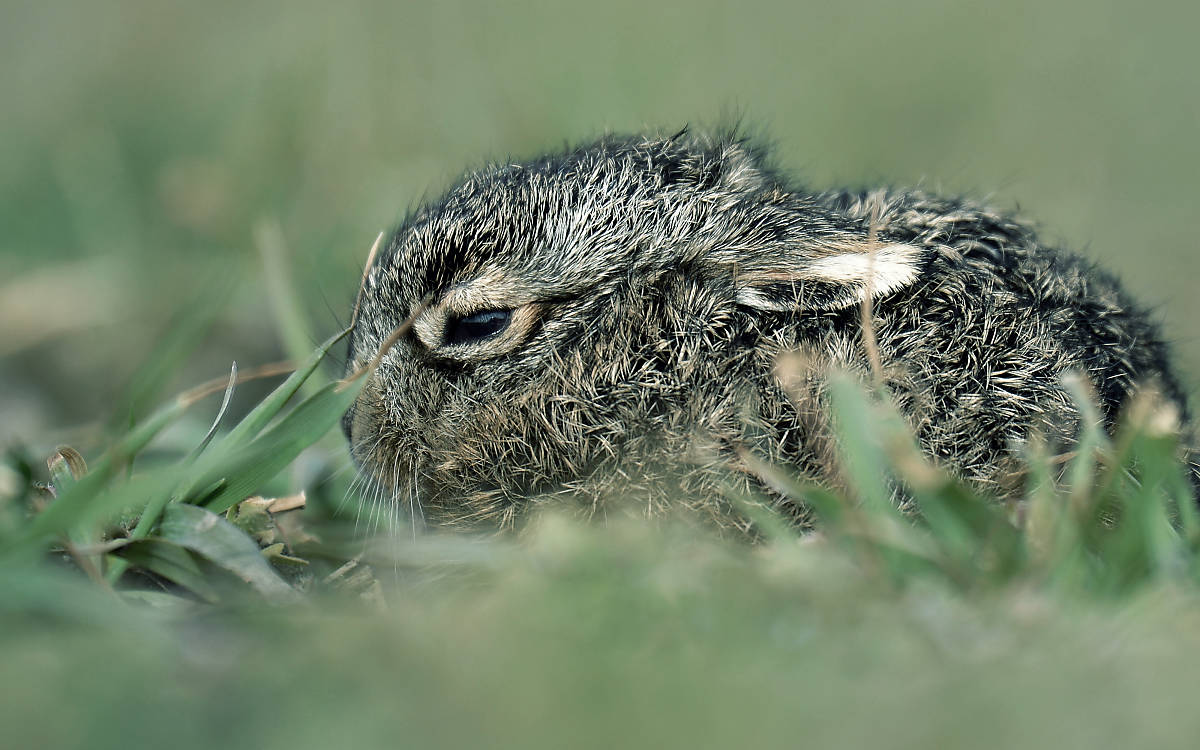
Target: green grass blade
246	469
240	463
290	317
225	545
85	501
171	561
216	423
861	449
239	455
261	415
1082	470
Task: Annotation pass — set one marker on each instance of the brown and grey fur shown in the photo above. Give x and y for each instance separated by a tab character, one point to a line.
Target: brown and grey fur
655	282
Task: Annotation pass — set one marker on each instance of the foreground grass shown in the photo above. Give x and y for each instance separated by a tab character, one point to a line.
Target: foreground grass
628	636
137	608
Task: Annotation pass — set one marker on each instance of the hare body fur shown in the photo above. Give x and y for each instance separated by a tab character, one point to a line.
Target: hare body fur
607	322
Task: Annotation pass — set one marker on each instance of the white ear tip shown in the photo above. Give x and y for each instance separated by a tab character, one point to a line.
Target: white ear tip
843	278
884	270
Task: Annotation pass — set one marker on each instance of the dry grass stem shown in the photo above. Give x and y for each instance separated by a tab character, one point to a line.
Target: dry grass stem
363	284
870	343
387	344
217	385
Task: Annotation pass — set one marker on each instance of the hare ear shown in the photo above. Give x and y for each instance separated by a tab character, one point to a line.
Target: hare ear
831	281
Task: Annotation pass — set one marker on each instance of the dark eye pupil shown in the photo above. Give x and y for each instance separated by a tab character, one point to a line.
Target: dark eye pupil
477	326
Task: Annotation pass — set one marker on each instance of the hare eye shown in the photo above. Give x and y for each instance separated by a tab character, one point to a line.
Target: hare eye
476	326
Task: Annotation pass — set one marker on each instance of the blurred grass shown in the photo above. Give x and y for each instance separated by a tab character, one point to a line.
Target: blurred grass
623	638
144	144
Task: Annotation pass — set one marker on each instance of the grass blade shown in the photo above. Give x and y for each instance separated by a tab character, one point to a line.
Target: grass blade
261	415
81	504
246	468
171	561
861	450
225	545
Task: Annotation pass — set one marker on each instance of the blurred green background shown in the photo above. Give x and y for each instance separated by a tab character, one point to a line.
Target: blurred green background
145	141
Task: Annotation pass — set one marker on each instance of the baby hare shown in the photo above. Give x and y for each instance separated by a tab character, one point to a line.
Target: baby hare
605	324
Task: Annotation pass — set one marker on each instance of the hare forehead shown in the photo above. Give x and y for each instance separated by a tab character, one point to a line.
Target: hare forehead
584	213
526	230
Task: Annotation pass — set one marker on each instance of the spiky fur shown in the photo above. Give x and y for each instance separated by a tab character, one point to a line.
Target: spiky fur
657	281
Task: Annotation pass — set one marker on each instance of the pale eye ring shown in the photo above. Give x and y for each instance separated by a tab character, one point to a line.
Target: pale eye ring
477	326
